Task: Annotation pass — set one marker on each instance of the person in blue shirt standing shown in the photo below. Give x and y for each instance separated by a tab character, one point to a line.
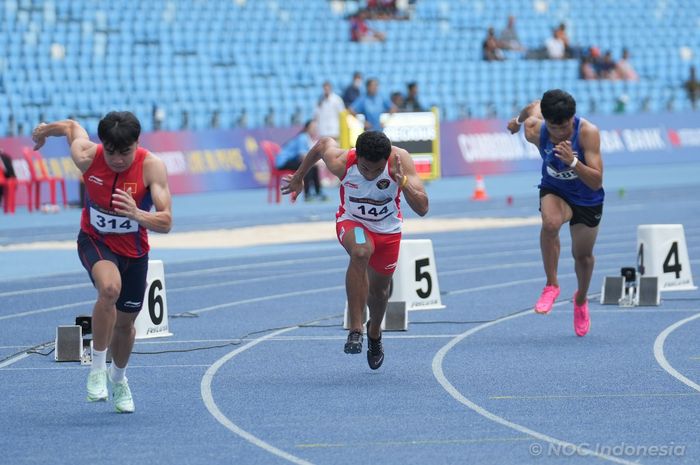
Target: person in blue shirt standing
292	154
372	105
571	191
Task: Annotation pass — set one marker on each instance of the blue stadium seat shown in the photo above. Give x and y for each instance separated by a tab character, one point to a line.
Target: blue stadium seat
279	53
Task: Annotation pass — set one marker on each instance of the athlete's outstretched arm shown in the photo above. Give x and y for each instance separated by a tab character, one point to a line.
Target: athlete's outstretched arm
155	177
531	117
411	185
82	149
325	149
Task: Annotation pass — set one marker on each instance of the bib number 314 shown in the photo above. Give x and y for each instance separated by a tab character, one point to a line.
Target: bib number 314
111	224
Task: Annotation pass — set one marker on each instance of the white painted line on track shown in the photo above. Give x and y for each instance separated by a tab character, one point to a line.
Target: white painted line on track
45	289
445	383
294	274
502	253
661	358
48	309
14	359
228	424
263	299
219	269
131	367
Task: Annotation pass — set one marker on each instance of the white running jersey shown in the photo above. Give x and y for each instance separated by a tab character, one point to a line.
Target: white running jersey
375	204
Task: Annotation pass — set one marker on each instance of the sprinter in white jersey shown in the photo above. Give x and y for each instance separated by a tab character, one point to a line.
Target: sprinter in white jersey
368	223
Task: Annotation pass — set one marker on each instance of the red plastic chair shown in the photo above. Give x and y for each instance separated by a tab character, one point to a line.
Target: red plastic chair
10	186
271	150
35	160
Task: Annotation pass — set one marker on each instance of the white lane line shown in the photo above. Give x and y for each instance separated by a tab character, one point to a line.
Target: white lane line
14	359
48	309
600	244
263	299
295	274
661	358
248	266
445	383
299	338
131	367
228	424
45	289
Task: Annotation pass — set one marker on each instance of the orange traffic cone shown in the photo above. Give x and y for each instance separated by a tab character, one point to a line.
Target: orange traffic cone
480	189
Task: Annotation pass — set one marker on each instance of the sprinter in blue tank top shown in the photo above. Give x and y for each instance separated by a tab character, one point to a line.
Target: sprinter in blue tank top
571	191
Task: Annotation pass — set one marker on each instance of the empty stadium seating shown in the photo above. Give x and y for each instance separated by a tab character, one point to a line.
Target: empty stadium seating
268	58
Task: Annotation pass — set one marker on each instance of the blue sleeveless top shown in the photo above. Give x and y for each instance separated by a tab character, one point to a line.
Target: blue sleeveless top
560	178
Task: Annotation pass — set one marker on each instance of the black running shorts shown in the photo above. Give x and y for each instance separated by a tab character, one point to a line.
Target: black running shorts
133	271
590	216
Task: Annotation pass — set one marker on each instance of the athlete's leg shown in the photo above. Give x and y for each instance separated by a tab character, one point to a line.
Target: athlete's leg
123	338
555	212
379	286
108	283
582	241
359	246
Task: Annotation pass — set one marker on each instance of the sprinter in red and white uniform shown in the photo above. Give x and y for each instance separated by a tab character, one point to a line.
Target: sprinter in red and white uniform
368	223
122	183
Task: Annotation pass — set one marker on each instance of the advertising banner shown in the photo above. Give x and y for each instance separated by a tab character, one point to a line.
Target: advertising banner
199	161
486	147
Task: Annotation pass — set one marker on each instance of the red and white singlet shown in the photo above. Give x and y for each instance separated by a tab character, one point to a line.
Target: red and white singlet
375	204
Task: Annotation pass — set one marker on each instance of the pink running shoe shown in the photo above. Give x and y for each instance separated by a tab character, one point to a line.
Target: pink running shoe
546	300
582	321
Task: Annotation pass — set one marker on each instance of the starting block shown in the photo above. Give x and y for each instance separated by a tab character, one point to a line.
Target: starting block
626	291
648	292
152	321
662	252
69	343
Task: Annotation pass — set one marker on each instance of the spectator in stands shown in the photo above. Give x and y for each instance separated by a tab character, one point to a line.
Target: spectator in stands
327	113
490	48
555	46
692	86
397	100
353	90
382	9
372	105
560	33
624	69
509	36
360	30
411	102
606	69
292	154
7	168
570	51
587	70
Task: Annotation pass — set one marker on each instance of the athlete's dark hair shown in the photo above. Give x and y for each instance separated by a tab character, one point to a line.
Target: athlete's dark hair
118	130
557	106
373	146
